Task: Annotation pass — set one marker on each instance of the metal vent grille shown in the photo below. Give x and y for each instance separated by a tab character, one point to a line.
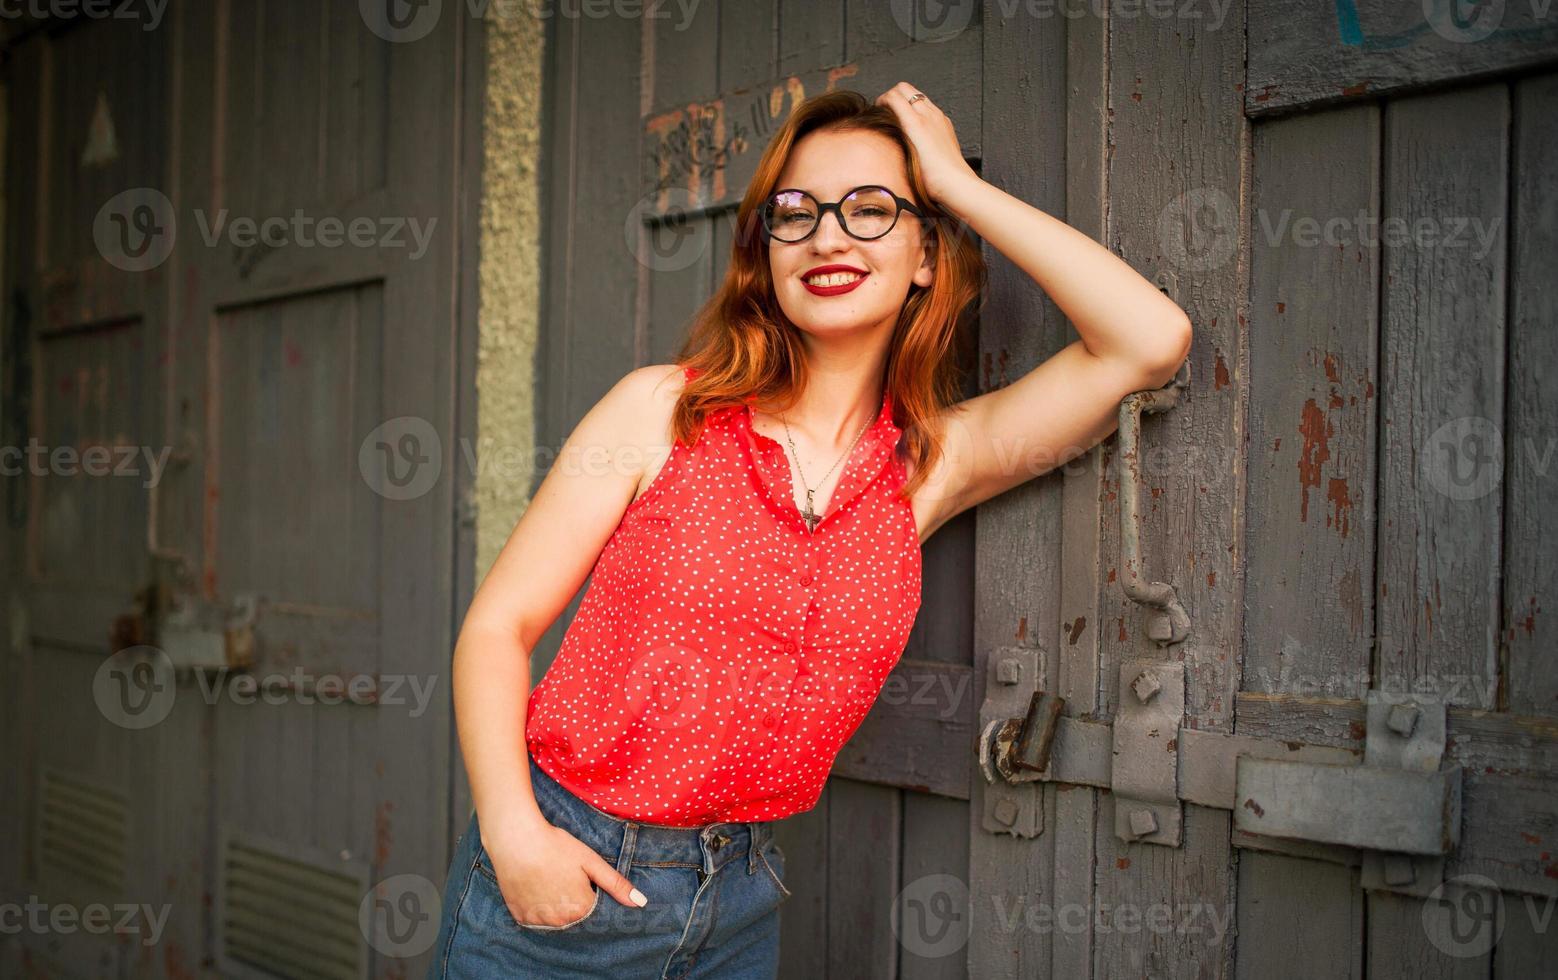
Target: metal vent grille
290	917
83	832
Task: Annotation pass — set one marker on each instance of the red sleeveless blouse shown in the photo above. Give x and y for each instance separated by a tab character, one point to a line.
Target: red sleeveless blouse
722	654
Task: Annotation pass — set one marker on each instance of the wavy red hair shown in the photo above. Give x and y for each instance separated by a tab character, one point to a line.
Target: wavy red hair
744	347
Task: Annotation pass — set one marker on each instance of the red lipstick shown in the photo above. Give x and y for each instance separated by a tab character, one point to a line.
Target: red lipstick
833	290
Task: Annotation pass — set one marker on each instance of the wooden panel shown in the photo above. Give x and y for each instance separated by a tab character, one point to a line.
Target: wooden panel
811	35
1309	614
1310	54
804	918
1175	217
865	830
676	257
1309	620
303	389
919	732
1286	906
309	137
1530	674
928	908
593	315
1442	392
96	461
1397	927
1016	567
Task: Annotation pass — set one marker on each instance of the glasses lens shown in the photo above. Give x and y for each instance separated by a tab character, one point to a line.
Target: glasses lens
869	212
790	215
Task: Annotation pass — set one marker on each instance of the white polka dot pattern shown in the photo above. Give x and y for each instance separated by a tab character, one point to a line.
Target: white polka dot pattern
722	654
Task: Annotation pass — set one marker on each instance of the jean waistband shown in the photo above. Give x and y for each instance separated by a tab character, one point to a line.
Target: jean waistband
708	846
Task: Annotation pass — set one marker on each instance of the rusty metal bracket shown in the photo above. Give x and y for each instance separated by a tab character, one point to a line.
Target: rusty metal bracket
1167	621
1013	803
1145	771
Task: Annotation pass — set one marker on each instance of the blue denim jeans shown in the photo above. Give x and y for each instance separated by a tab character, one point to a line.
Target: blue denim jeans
714	894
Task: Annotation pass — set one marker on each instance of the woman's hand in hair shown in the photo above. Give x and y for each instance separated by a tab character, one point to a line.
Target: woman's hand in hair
935	141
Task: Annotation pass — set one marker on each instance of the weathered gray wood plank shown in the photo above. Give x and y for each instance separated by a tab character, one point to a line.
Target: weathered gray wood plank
1309	618
1530	588
1017	562
1311	54
1315	918
919	733
1442	391
1192	469
864	848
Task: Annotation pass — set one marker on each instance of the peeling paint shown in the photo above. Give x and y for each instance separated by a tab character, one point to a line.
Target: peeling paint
1317	431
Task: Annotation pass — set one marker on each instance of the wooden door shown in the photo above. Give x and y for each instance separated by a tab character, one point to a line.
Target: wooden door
1312	495
1346	765
233	239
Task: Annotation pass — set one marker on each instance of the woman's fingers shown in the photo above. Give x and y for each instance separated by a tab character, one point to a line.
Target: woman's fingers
614	882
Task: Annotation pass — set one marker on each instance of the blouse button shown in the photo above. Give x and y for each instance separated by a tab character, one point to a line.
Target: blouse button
789	647
769	721
805	579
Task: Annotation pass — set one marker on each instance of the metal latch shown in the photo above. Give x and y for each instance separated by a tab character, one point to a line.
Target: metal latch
196	635
1401	806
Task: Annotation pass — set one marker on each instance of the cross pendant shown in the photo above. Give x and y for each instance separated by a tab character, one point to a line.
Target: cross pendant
810	517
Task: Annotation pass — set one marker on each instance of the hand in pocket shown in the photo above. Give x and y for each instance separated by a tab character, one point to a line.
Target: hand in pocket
545	877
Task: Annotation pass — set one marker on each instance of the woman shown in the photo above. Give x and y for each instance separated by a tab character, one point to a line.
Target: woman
753	587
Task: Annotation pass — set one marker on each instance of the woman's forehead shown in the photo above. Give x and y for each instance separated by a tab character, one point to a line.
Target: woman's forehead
828	165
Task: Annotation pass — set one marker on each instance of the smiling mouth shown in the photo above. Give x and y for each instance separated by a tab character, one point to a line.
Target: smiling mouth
835	283
834	279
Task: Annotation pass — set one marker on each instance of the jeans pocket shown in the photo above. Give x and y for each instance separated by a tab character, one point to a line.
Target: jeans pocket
485	870
770	856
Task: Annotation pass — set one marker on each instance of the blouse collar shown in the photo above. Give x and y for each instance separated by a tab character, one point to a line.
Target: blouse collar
865	463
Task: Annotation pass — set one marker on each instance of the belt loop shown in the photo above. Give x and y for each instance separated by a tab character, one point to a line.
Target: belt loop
752	848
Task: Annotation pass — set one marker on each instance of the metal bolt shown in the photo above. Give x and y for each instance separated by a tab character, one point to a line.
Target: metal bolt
1146	686
1143	822
1005	812
1403	718
1008	671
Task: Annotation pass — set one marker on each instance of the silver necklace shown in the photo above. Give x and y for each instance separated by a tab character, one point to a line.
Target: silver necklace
811	516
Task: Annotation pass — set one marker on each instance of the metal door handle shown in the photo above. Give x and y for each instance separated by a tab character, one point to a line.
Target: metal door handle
1167	621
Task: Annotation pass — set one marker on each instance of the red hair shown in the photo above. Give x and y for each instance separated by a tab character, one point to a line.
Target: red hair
745	349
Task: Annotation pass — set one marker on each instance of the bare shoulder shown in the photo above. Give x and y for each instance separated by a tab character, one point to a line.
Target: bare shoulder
934	503
651	395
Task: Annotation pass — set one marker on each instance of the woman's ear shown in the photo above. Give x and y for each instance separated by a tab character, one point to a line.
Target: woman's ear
926	273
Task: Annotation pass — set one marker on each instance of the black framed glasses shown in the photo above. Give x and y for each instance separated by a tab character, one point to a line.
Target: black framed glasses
791	215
